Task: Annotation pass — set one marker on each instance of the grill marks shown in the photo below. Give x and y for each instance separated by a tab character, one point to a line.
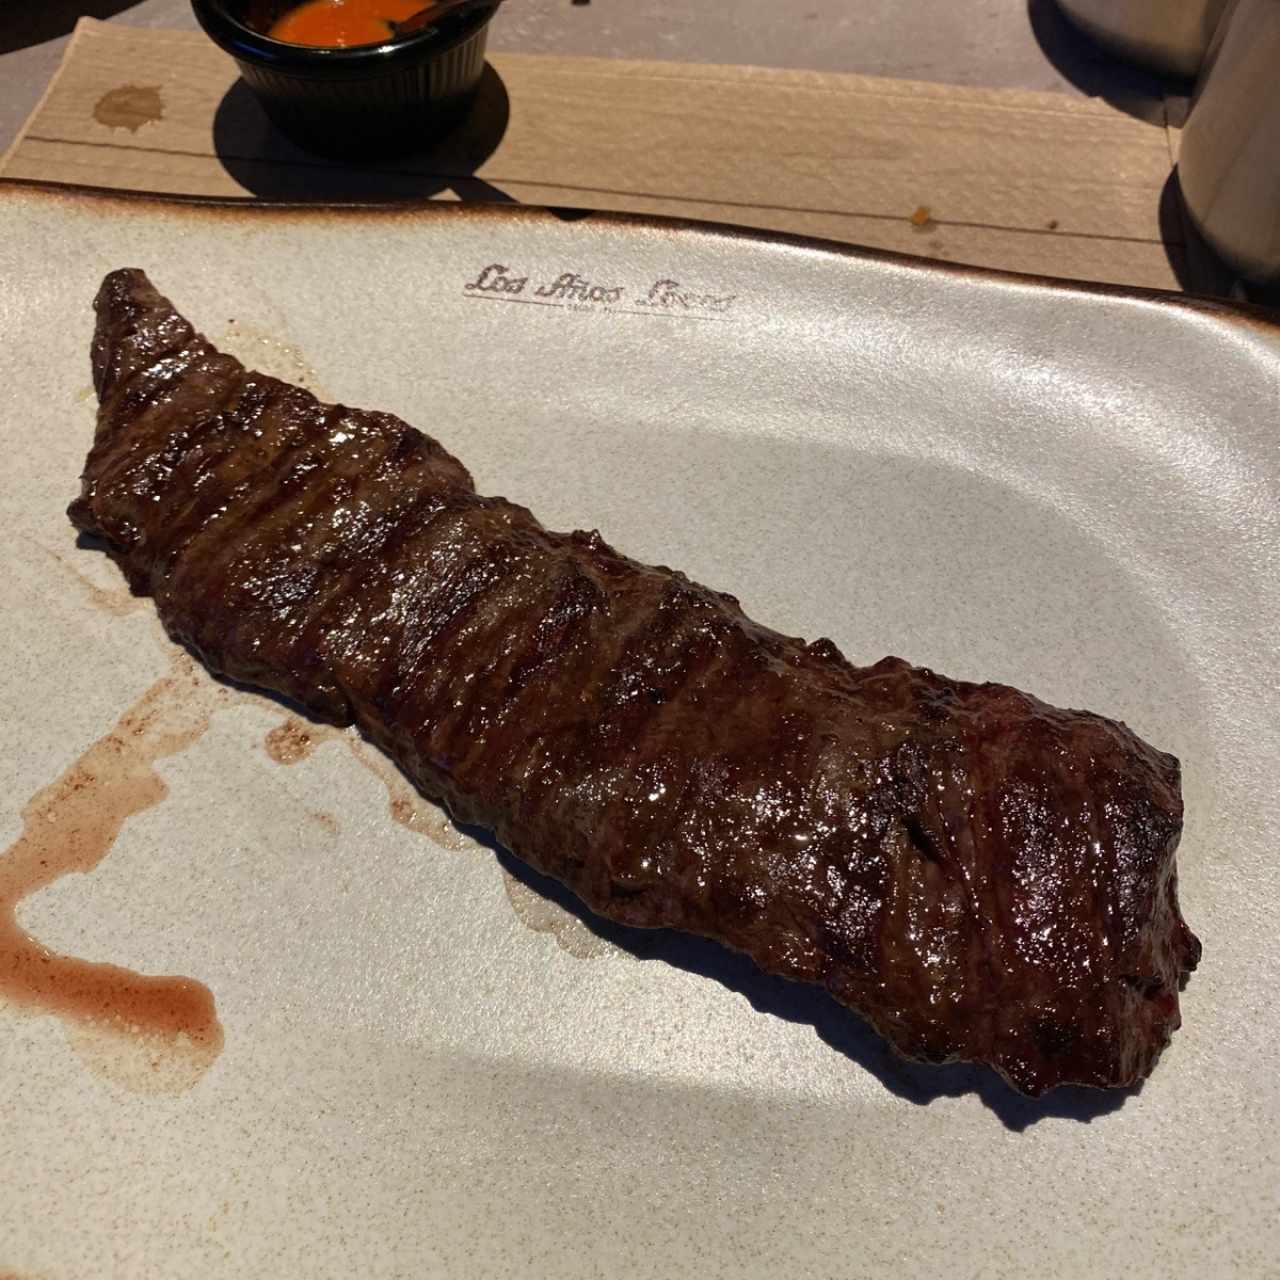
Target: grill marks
981	876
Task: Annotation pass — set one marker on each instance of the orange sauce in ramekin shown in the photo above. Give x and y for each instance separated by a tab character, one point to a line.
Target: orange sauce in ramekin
338	24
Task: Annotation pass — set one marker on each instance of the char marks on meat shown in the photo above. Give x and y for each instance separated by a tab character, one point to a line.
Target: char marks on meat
982	876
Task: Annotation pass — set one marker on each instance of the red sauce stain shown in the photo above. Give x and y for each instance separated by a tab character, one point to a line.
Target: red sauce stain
293	740
117	601
541	915
408	806
325	821
69	827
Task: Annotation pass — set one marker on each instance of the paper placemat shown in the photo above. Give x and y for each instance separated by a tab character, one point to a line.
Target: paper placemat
1024	181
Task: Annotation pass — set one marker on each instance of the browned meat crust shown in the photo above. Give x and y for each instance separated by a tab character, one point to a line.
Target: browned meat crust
980	875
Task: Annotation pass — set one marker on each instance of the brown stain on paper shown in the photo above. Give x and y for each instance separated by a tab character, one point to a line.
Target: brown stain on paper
148	1033
130	107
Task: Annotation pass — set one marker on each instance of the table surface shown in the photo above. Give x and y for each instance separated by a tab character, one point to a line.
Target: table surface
995	43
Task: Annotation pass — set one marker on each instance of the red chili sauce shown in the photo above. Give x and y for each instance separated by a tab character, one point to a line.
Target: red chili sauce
338	24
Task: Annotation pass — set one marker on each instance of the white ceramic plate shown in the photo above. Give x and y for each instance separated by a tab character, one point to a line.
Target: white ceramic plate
1071	490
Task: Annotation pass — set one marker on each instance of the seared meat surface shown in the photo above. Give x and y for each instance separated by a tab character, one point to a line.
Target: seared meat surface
980	875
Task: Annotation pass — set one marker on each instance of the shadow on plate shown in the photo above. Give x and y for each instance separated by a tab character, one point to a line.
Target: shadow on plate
1096	72
800	1003
23	24
269	166
810	1006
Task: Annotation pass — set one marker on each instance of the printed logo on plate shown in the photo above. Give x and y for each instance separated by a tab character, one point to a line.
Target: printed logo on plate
572	291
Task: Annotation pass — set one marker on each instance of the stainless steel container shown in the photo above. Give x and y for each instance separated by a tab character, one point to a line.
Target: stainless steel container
1170	36
1229	162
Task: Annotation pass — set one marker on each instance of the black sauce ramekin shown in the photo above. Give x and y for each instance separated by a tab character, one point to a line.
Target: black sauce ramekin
366	101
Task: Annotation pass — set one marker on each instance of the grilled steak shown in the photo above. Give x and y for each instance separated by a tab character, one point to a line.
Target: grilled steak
981	876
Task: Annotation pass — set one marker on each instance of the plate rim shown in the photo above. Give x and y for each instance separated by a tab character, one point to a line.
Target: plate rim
1246	315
